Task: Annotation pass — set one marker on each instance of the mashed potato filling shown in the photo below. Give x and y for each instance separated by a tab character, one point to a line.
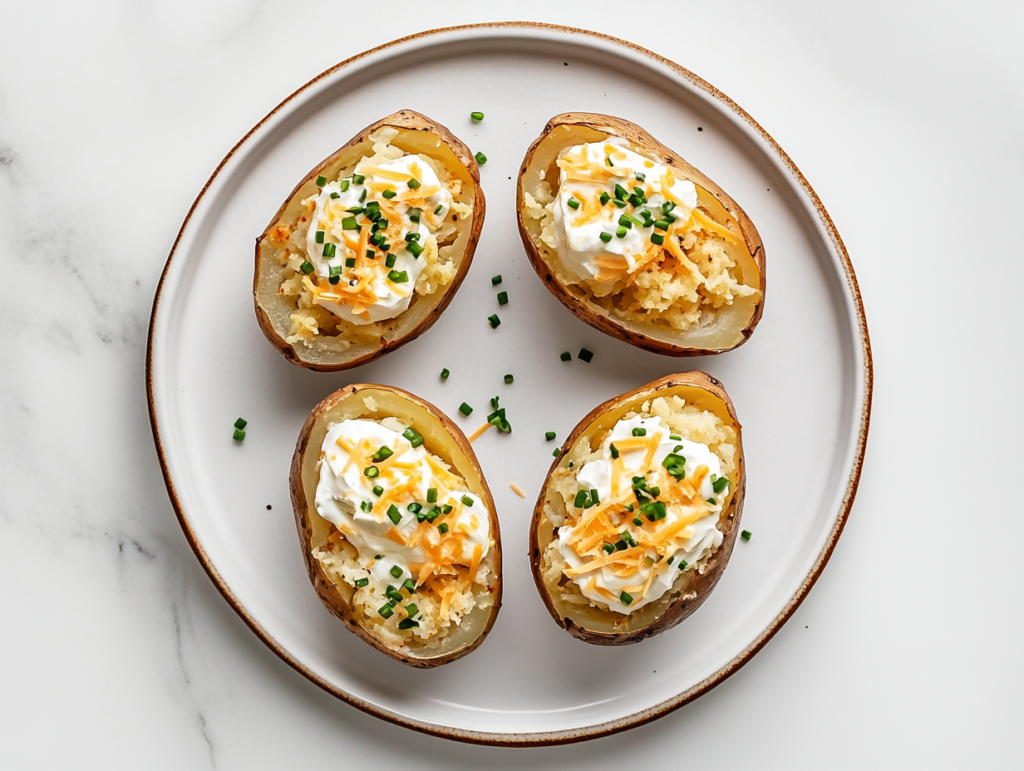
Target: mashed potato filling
643	507
632	233
408	536
368	242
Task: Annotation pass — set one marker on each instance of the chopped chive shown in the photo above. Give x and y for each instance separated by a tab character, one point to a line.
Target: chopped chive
335	272
344	186
549	435
361	582
719	485
439	209
580	501
604	198
414	437
661	224
620	192
413	183
683	564
320	236
480	158
509	379
657	239
371	471
557	452
415	507
565	356
378	491
640	177
710	500
350	262
446	509
614	451
495	280
639	431
607	548
362	195
625	598
573	203
594	499
668	206
378	556
394	515
494	321
442	528
412	236
397	571
330	250
355	210
409	585
414	248
349	223
432	495
621	231
408	623
238	435
358	179
621	545
414	215
608	160
465	409
412	610
321	181
606	237
386	610
391	592
502	298
383	453
389	194
398	276
365	505
477	116
306	267
745	535
638	522
444	374
586	355
389	261
675	438
466	500
241	423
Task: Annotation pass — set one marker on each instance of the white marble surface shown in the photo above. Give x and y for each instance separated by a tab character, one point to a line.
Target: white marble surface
117	652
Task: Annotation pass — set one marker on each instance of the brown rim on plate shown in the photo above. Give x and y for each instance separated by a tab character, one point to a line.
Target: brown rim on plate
652	713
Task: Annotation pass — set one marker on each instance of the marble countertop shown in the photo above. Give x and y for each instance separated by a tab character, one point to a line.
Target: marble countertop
117	650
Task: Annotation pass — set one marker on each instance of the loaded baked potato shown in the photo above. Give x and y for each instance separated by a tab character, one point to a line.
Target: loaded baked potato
639	513
369	249
397	525
637	242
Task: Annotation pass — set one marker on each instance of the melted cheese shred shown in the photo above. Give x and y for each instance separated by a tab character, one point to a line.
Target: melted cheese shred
624	565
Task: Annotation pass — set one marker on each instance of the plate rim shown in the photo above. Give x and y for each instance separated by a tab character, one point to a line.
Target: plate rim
586	733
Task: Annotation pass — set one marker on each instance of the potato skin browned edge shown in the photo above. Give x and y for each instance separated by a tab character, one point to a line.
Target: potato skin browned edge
409	120
324	587
579	307
701	584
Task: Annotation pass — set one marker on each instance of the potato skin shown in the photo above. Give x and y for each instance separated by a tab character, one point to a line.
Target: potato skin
696	587
307	519
648	336
404	120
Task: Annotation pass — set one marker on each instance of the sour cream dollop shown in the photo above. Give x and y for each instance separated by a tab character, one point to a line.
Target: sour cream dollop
580	217
661	557
345	497
333	238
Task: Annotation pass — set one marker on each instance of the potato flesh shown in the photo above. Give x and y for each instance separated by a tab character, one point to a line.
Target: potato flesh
271	272
724	333
598	619
438	441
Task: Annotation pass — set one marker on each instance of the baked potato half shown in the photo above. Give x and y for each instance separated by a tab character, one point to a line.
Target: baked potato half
397	525
637	242
639	513
369	248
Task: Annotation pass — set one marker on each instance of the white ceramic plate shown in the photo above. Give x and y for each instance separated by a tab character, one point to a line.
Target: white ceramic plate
801	385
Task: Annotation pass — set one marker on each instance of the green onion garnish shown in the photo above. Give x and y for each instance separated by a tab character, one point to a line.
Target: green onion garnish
444	374
386	610
465	409
378	491
638	522
432	495
414	437
414	248
335	273
604	198
409	585
361	582
549	435
661	224
383	453
621	231
625	598
608	160
565	356
344	185
494	321
362	195
398	276
350	262
365	505
349	223
442	528
238	435
477	116
439	209
573	203
495	280
396	571
613	450
371	471
321	181
509	379
446	509
557	452
358	179
668	206
594	499
719	485
408	623
389	194
391	592
320	236
586	355
395	516
502	298
306	267
682	564
480	158
466	500
414	215
389	261
412	610
745	535
640	177
241	423
638	431
413	183
412	236
606	237
330	250
414	507
657	239
580	501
